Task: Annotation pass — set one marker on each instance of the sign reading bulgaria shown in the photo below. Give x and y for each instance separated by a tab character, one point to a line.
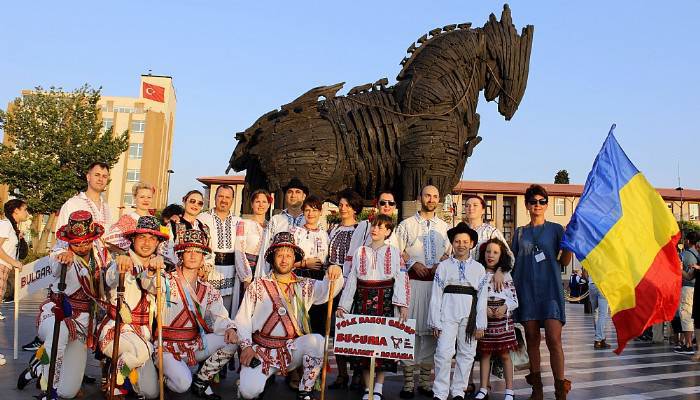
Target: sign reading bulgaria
34	277
370	336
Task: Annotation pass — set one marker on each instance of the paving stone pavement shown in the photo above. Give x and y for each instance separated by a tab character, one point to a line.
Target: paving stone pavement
643	371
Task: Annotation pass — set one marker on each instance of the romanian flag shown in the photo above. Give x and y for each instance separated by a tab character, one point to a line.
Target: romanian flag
625	236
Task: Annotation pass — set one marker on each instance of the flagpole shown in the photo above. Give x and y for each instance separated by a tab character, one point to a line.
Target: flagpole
15	354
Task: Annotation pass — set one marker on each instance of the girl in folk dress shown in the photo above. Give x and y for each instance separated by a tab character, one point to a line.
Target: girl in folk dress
499	338
250	234
377	285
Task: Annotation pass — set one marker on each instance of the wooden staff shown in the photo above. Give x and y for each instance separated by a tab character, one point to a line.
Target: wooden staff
329	314
117	334
56	331
159	322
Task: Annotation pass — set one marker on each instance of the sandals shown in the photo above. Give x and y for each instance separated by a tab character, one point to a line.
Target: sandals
479	393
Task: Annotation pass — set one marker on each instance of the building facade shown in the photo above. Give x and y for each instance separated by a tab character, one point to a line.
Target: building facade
150	122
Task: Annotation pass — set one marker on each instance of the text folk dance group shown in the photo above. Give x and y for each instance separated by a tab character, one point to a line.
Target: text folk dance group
167	304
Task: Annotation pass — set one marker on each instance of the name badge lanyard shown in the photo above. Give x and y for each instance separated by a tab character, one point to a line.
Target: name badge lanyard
539	253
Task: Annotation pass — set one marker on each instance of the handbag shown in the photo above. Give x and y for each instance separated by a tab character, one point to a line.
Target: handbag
519	357
22	249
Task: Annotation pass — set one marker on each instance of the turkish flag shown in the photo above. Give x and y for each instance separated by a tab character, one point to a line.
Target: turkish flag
153	92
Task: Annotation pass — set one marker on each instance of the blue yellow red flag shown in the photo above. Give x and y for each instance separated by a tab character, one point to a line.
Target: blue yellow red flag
625	236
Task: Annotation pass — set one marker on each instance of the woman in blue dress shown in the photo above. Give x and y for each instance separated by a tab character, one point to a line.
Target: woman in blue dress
537	278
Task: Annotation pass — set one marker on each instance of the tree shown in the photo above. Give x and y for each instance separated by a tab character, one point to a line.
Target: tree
562	176
51	138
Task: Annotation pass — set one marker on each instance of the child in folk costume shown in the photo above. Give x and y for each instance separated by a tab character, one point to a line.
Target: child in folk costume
457	312
499	338
76	314
196	325
273	322
377	285
137	311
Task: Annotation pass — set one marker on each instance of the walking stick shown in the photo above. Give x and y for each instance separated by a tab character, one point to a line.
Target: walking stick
117	334
325	346
159	322
56	331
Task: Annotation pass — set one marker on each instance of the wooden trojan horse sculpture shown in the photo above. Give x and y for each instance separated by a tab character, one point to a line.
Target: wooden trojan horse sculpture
399	138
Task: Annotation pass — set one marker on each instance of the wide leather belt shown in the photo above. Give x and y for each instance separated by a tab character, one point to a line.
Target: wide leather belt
224	258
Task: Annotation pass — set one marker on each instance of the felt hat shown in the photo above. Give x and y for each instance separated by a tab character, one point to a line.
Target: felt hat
283	239
80	228
462	227
147	224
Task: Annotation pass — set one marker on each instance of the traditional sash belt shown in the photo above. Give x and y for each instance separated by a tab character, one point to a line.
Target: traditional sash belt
469	291
173	334
270	342
252	259
389	283
224	258
413	276
138	317
79	301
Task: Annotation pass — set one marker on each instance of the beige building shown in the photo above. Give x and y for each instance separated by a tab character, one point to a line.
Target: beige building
150	121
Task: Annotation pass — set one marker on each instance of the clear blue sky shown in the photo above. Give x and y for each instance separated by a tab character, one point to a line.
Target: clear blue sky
593	63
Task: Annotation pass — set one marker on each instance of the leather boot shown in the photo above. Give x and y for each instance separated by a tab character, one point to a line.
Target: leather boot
535	380
561	388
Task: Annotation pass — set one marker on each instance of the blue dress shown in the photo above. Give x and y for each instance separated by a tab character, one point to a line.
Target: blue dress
538	284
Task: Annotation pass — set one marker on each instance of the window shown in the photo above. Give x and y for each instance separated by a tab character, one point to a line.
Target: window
507	212
124	109
107	123
693	211
133	175
128	199
559	206
507	233
489	209
136	151
138	126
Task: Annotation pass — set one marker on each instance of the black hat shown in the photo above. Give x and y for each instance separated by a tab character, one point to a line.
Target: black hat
462	227
283	239
295	183
147	224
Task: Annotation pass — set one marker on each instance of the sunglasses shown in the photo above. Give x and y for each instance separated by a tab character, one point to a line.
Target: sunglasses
197	202
542	202
387	203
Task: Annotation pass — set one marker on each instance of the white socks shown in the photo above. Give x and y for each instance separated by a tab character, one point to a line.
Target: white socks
377	389
509	394
481	394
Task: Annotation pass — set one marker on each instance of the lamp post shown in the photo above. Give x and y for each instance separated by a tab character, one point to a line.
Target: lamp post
167	192
680	190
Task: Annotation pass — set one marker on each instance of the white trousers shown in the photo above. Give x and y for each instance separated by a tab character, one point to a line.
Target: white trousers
307	352
453	333
178	375
136	354
71	356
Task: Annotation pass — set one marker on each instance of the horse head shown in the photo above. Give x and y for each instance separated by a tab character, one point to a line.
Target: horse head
506	62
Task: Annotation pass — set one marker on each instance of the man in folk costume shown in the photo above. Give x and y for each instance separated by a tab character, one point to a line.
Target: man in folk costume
76	314
423	238
222	229
457	312
273	322
295	193
137	311
196	325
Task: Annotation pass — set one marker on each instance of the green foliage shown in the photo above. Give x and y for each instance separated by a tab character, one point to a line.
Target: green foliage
53	137
562	177
688	226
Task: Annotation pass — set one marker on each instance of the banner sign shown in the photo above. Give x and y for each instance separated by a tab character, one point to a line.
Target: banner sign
34	277
370	336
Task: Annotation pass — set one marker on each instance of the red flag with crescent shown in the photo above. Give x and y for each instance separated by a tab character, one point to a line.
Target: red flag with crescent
153	92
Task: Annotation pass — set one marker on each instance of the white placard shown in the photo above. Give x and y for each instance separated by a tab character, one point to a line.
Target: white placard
381	337
34	277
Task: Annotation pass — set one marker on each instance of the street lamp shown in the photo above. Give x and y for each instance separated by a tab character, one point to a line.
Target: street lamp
680	189
167	192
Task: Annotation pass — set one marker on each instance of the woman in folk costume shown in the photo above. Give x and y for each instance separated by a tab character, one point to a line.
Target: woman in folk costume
273	322
196	325
137	311
143	200
386	205
340	236
499	337
457	312
76	315
377	285
250	234
192	203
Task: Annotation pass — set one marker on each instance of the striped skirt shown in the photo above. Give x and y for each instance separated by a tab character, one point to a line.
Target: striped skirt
499	335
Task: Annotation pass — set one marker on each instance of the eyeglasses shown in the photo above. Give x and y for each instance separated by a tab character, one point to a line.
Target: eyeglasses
197	202
542	202
387	203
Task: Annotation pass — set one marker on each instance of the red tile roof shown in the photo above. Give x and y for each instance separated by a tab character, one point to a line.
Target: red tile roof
513	188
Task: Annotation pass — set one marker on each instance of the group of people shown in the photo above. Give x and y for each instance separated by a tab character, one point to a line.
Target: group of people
187	294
